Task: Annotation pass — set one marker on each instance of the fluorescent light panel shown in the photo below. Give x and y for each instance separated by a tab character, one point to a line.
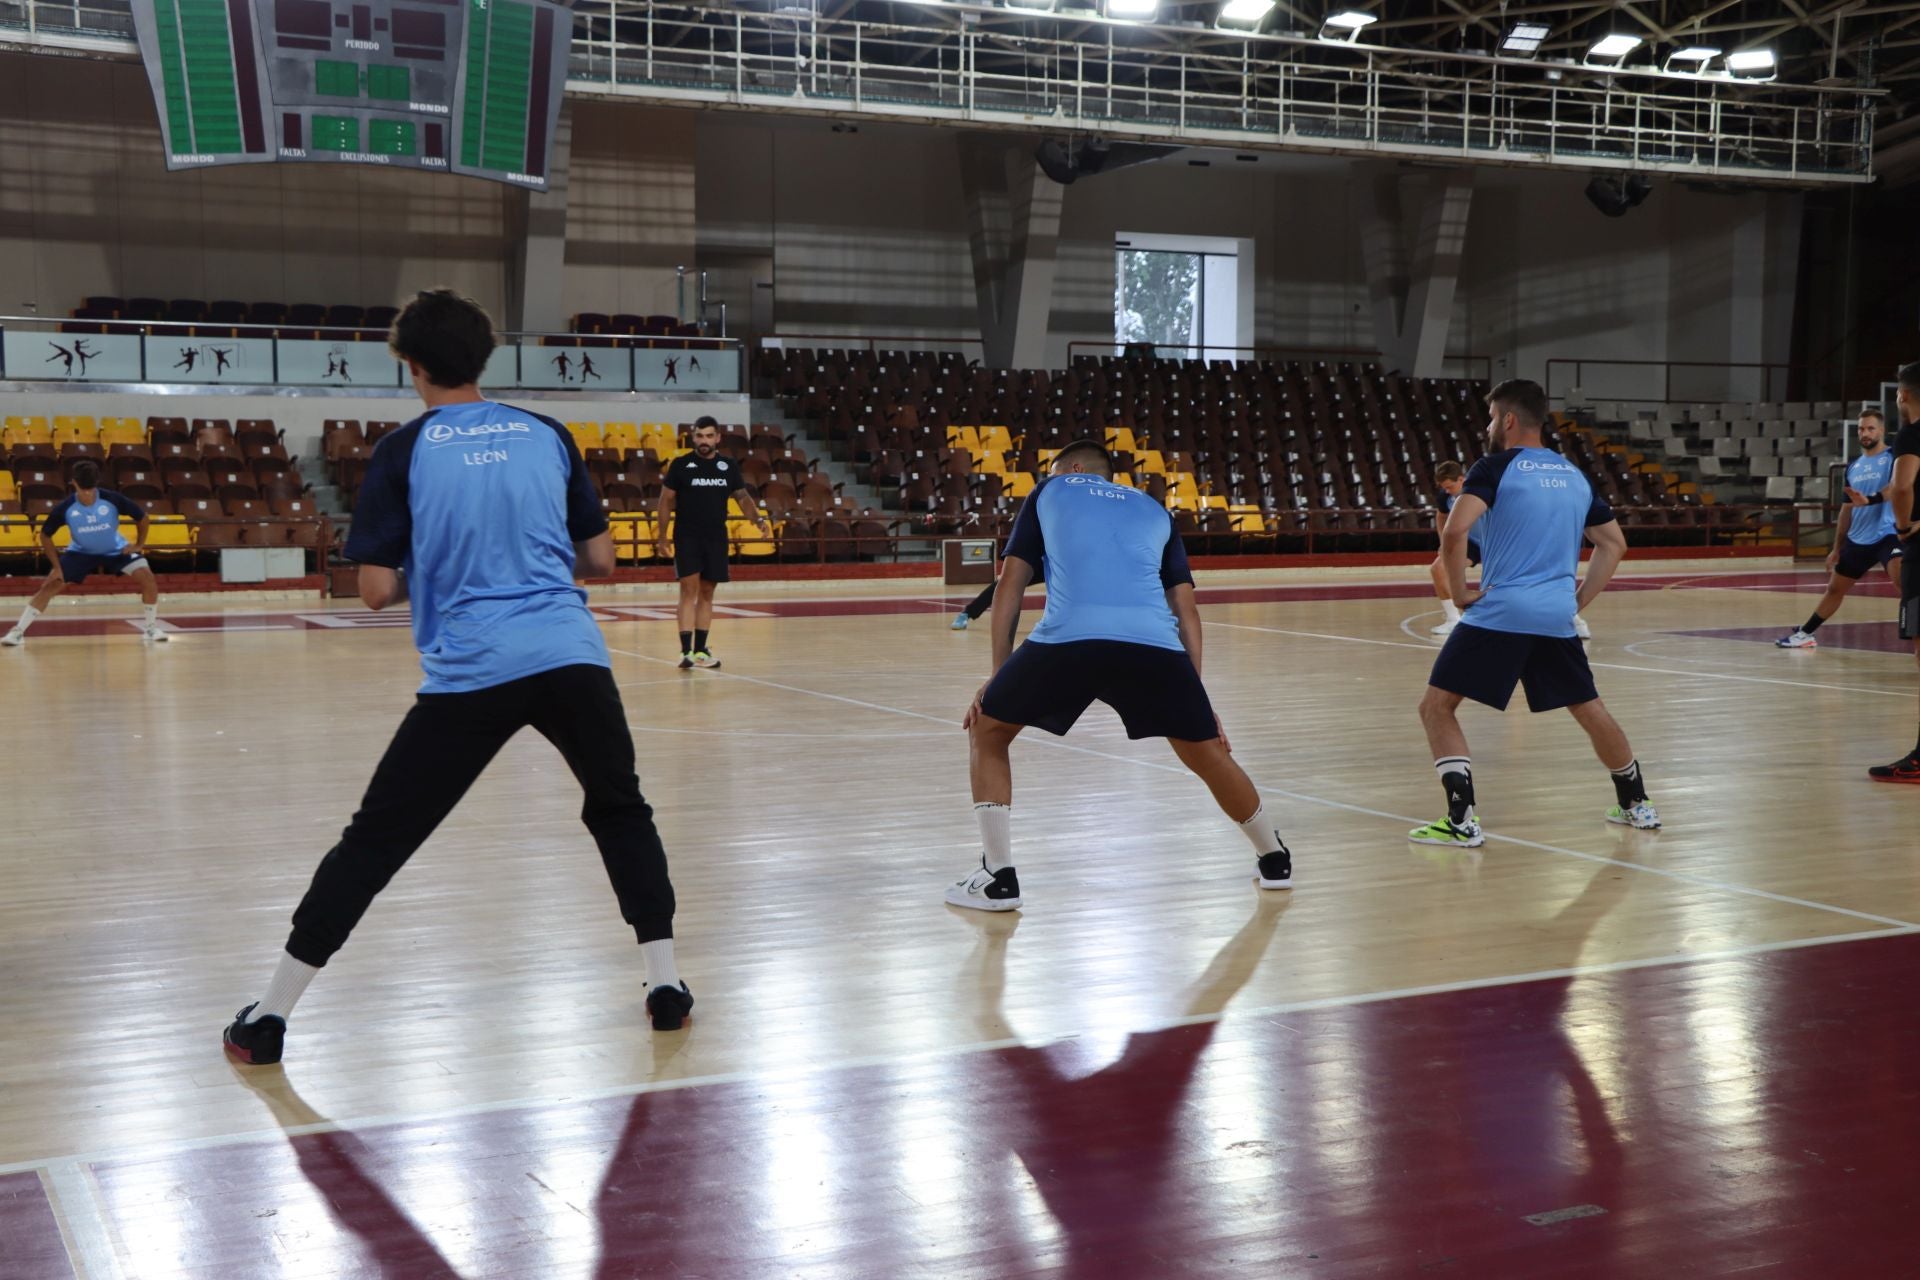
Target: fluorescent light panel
1695	53
1615	46
1352	20
1526	37
1132	8
1246	10
1750	60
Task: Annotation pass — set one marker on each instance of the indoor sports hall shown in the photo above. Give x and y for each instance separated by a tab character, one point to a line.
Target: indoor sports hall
800	328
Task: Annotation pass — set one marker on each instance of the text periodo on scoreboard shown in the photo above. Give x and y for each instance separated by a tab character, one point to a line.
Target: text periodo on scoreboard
467	86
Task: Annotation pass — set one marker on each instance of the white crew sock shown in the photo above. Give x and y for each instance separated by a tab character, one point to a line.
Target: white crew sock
1261	834
290	980
1453	610
660	968
150	610
27	615
996	834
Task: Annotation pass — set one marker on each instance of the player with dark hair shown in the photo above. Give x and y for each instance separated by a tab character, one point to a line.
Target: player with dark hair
1903	499
698	486
1120	627
91	515
1865	536
1533	507
483	515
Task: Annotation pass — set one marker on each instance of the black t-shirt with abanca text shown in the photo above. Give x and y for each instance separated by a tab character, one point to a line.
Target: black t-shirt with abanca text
701	488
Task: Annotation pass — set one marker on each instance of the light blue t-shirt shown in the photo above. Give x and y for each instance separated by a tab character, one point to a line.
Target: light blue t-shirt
1539	507
94	526
1109	554
1870	474
481	505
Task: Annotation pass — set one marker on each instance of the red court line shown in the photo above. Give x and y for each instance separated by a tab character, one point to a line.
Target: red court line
320	619
1718	1118
30	1245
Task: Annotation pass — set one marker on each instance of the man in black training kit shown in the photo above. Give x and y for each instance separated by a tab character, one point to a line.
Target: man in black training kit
699	484
484	515
1903	498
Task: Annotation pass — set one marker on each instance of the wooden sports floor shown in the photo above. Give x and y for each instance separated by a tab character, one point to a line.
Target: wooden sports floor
1579	1052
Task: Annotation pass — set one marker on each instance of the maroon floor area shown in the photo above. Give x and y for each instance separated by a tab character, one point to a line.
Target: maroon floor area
30	1247
937	600
1754	1117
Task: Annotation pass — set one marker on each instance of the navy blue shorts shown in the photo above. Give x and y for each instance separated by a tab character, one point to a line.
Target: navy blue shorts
1856	558
76	565
1484	665
1156	691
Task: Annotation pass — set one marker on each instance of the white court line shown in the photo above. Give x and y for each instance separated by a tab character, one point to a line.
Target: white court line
801	1071
1685	877
1603	666
84	1229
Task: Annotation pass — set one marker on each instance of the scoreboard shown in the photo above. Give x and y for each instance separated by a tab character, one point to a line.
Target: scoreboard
463	86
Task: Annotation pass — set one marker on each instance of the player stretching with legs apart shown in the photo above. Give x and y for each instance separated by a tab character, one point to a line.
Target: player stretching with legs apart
1532	507
484	515
1120	626
698	485
1903	499
1865	536
91	516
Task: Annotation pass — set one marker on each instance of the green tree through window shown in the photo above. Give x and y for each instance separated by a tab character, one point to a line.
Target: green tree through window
1157	299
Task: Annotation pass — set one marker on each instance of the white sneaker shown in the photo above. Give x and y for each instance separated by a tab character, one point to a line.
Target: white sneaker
155	635
986	890
1581	629
1445	628
1798	640
1640	817
14	638
960	620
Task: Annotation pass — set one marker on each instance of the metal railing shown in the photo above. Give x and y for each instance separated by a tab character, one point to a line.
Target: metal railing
1461	366
39	350
1700	381
1254	90
981	66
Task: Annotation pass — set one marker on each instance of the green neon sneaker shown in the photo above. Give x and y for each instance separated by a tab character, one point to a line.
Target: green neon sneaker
704	660
1444	832
1640	816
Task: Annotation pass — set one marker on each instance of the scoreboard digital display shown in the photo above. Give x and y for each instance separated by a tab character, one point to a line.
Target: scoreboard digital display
464	86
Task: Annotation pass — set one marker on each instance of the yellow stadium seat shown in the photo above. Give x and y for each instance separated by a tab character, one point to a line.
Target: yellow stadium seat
1046	457
1213	502
169	535
1124	478
586	435
1149	462
659	437
996	439
122	431
76	435
24	430
8	489
967	438
17	533
1019	484
989	463
623	436
1183	482
633	537
1121	438
747	539
1247	520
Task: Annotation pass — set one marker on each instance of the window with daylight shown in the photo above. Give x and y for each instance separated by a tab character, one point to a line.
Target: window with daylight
1178	297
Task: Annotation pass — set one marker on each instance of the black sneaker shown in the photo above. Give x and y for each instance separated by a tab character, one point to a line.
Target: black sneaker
669	1007
1276	870
986	890
686	661
1905	769
257	1044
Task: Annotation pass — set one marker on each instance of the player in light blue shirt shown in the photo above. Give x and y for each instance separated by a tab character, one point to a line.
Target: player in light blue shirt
1866	535
1120	627
1532	508
484	515
91	516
